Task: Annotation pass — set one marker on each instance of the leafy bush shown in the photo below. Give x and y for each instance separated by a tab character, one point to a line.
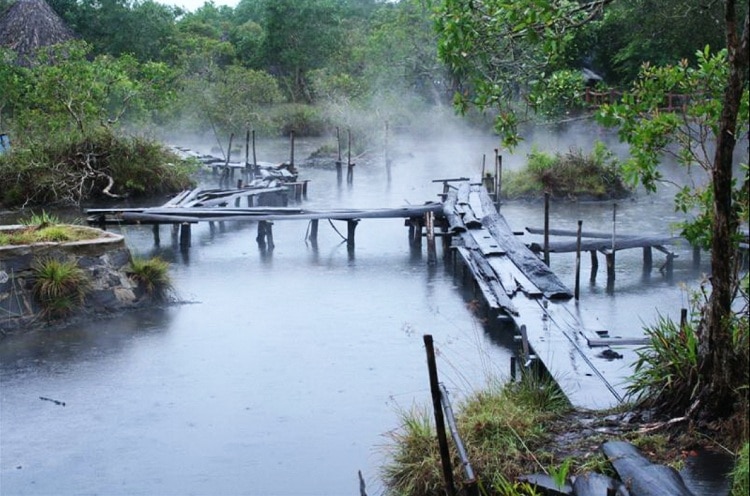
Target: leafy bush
572	175
73	170
59	286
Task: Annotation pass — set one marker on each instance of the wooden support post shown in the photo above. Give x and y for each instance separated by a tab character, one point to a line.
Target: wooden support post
430	228
670	265
269	235
594	265
175	233
578	261
415	232
314	230
683	318
499	181
648	259
610	257
291	152
445	456
546	229
351	225
256	171
387	156
247	174
261	237
338	161
349	163
157	240
185	235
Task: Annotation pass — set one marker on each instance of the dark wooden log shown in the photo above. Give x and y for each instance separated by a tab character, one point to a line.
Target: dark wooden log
643	478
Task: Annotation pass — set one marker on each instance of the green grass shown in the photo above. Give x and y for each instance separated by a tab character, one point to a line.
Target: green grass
502	427
60	286
740	478
152	275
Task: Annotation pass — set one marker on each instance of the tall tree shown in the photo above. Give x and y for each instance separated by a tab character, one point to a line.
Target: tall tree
301	36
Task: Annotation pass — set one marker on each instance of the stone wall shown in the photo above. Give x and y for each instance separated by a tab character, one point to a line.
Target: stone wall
106	259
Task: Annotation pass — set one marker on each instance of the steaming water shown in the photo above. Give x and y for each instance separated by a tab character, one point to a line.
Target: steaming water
283	372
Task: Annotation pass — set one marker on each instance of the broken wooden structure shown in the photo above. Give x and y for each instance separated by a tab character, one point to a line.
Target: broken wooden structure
518	287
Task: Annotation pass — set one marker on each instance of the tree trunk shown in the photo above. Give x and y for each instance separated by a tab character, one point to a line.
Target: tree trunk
716	360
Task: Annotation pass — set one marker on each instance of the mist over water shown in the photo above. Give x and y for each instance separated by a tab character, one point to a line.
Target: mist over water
282	372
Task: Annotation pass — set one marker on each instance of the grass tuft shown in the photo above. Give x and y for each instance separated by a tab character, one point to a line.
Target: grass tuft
152	275
59	286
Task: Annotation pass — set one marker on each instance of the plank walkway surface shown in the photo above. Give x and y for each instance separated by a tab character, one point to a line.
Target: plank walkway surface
515	282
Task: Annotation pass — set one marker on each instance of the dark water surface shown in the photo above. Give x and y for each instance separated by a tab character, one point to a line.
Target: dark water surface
283	371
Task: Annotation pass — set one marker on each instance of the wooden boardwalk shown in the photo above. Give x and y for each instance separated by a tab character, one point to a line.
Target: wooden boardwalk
516	284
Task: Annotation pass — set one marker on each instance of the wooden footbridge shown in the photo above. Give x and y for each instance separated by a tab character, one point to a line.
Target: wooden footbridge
590	365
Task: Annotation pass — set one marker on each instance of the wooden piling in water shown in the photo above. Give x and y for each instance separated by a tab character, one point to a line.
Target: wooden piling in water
155	229
185	235
349	163
648	259
594	265
313	230
546	229
577	291
430	228
351	225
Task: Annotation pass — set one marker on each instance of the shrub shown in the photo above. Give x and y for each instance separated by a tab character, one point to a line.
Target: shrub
573	175
666	371
71	169
152	275
59	286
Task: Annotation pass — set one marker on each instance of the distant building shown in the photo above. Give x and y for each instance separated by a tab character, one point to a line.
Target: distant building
28	25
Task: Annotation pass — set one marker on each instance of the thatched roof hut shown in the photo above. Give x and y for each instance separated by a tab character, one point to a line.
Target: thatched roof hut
28	25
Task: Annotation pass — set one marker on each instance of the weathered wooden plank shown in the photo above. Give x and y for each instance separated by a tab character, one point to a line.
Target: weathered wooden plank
486	243
513	278
538	273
